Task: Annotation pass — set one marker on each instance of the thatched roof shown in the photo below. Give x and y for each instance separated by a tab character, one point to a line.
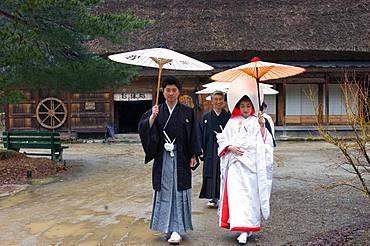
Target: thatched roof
222	26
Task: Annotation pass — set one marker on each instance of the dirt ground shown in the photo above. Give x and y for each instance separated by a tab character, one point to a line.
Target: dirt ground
106	200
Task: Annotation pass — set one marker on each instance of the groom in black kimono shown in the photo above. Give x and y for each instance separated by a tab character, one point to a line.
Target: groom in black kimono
213	121
168	134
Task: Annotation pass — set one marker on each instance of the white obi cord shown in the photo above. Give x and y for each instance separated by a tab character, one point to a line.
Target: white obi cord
169	146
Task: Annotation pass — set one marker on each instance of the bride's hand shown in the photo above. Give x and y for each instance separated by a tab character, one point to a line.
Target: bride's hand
235	150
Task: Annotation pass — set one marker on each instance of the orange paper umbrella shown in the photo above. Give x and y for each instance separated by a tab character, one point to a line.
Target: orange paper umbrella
259	70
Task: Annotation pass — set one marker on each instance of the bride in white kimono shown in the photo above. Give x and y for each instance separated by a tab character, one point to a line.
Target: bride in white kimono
246	166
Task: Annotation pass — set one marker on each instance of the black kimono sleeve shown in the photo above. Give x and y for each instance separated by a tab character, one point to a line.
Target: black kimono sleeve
195	144
149	137
202	133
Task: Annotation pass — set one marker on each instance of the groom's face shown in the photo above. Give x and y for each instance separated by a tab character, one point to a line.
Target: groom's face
171	93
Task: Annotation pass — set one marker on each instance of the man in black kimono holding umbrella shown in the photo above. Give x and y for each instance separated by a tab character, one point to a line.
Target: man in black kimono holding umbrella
168	134
212	122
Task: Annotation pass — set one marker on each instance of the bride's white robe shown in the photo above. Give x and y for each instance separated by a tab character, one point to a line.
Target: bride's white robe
245	183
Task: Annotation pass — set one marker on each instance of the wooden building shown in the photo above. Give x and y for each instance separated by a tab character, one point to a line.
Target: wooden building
329	39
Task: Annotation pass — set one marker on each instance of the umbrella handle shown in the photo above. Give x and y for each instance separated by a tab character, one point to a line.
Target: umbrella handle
158	83
260	108
161	62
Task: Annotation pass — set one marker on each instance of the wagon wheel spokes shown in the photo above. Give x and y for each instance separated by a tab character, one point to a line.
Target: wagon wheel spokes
51	118
55	109
45	119
57	118
45	107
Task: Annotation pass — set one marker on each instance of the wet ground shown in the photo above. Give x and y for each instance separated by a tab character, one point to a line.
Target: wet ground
107	201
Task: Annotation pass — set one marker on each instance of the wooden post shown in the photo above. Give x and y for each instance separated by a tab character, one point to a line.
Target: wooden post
280	115
111	112
69	113
8	139
326	87
52	146
37	101
7	117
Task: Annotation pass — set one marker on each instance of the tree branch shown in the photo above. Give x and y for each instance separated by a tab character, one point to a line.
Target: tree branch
8	15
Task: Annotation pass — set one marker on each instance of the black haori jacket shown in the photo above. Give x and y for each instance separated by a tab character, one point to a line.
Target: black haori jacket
182	126
208	126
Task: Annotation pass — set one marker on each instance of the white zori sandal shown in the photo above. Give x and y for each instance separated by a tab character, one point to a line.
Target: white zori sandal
175	238
242	239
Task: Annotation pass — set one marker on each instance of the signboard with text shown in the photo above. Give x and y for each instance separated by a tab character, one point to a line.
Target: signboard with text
132	96
89	105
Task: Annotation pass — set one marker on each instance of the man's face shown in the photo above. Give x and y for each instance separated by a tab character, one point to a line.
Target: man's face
171	93
218	102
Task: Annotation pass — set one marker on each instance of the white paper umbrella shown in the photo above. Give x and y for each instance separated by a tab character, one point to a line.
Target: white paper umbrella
269	91
224	86
210	90
265	90
214	86
160	58
241	87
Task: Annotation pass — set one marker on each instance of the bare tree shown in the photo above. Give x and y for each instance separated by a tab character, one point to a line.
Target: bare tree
354	148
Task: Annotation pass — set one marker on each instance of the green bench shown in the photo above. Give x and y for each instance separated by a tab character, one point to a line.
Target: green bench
35	140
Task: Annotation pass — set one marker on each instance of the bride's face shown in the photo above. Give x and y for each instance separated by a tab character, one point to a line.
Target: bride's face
246	108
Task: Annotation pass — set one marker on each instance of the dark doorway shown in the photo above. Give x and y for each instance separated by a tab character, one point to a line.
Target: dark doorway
128	113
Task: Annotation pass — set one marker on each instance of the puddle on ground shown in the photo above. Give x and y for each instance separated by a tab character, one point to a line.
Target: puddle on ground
38	227
128	231
67	230
47	180
13	200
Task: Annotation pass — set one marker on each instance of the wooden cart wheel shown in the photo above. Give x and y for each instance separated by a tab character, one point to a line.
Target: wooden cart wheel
51	113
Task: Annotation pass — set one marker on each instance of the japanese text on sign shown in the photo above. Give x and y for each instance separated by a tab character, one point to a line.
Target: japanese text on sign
132	96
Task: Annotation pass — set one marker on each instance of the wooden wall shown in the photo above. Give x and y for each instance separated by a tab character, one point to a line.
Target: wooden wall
85	111
22	116
91	112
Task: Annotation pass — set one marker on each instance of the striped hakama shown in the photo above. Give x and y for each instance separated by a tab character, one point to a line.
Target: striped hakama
171	208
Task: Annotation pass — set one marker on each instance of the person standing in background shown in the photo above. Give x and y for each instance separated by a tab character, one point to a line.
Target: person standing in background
212	122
